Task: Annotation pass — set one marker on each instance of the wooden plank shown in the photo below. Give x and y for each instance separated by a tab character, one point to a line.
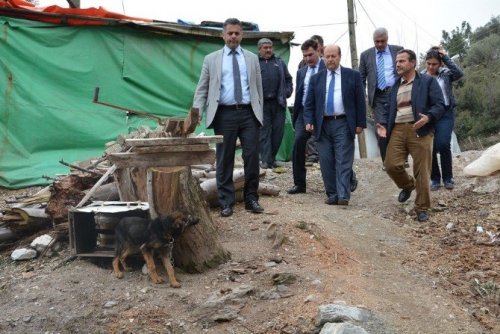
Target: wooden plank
173	123
170	148
102	253
173	141
165	159
103	179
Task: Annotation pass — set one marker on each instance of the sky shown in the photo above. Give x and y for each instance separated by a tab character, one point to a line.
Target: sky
414	24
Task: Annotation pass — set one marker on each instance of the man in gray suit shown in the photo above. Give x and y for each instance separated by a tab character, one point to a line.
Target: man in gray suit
377	65
230	90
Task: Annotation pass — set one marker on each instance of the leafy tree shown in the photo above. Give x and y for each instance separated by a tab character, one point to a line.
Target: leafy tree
491	28
457	42
478	96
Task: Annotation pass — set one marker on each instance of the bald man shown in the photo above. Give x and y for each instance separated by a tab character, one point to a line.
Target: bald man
335	112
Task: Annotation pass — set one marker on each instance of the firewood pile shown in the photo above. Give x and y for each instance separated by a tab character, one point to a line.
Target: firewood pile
94	180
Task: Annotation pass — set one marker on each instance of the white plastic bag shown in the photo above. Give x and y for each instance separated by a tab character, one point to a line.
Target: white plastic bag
486	164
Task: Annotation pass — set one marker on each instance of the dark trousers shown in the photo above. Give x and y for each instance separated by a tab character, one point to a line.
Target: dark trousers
380	109
234	124
336	156
272	131
311	150
299	152
442	140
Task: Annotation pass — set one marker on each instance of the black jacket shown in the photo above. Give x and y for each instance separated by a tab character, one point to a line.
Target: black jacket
299	89
285	87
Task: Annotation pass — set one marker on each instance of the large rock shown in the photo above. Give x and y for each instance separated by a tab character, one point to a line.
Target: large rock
342	328
23	254
340	313
41	242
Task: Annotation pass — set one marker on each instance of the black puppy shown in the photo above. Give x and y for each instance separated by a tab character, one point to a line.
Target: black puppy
135	234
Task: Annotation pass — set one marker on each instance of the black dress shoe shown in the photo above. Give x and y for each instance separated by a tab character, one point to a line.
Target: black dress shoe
296	190
422	216
404	195
254	206
354	184
226	211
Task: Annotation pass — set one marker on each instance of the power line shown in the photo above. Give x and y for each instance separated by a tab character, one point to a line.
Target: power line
342	35
412	19
318	25
369	18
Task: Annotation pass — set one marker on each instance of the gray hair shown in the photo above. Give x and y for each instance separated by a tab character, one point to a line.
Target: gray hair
380	32
263	41
231	21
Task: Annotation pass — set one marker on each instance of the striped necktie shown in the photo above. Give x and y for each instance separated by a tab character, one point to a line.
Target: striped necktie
380	70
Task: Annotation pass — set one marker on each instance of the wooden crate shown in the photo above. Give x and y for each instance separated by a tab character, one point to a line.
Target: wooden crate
95	239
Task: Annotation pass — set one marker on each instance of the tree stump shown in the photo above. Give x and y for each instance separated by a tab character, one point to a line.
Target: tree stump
174	188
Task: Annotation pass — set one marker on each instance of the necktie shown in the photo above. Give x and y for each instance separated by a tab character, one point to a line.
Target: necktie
238	95
329	100
380	70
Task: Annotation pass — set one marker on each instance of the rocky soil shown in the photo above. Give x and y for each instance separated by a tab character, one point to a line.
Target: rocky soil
441	276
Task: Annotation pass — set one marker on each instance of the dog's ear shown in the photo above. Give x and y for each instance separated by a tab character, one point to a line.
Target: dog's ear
178	217
177	220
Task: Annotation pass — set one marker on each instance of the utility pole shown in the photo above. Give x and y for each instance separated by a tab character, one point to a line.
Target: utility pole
352	34
73	3
354	64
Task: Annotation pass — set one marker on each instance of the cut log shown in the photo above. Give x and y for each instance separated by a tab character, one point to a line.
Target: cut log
67	192
268	189
6	234
207	167
199	174
103	179
209	186
170	189
106	192
211	174
29	220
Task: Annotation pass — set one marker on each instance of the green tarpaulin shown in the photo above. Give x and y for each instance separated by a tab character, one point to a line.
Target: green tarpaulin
49	73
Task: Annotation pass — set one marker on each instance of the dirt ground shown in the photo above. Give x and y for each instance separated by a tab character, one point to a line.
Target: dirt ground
441	276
